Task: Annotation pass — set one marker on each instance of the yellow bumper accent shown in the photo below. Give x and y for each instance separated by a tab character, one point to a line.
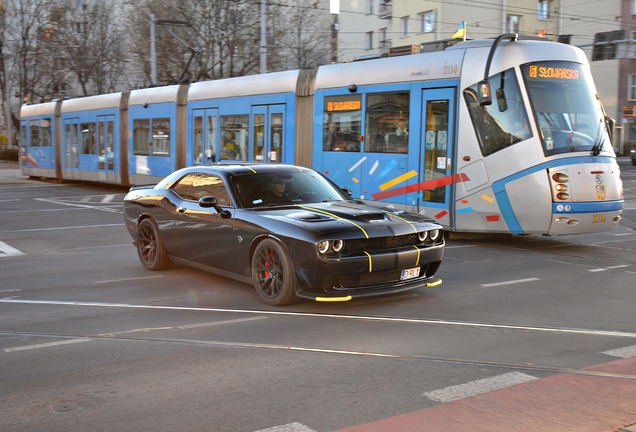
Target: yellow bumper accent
434	283
333	299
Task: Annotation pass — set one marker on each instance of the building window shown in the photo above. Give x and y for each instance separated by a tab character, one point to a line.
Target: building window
425	21
543	10
404	26
512	23
633	7
384	41
370	40
370	7
632	88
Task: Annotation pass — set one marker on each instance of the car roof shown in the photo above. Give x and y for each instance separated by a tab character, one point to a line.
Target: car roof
229	169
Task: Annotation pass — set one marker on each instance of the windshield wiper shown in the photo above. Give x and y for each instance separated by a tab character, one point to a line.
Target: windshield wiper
598	141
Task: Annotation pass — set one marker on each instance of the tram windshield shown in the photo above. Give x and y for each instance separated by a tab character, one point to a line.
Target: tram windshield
568	113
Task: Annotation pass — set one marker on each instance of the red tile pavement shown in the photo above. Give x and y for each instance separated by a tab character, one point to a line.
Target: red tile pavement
562	402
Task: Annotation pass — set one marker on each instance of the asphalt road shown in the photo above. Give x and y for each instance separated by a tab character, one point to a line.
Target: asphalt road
526	333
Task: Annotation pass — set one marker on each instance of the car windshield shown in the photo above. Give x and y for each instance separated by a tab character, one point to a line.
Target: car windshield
568	113
284	188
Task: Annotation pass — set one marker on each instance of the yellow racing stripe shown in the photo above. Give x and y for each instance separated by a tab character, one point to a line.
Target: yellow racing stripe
417	262
412	226
335	216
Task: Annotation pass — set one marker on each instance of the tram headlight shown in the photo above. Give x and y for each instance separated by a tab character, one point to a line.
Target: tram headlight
561	187
560	177
562	196
434	234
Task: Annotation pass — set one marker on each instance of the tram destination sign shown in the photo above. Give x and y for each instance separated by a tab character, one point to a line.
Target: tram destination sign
551	72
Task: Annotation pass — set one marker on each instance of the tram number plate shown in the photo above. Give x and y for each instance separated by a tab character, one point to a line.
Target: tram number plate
599	217
410	273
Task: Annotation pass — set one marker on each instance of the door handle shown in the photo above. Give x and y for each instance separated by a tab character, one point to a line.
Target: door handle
181	209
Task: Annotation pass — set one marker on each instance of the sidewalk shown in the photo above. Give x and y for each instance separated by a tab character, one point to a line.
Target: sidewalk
10	173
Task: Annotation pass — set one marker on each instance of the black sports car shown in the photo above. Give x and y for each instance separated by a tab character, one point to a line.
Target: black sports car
287	229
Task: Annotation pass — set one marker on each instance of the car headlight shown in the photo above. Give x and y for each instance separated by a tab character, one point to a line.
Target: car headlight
434	234
422	235
337	245
323	246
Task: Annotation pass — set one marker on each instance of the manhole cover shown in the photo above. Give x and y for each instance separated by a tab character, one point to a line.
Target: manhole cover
64	407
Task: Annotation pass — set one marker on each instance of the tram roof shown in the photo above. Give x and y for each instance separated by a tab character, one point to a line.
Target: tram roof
38	109
154	95
250	85
110	100
390	70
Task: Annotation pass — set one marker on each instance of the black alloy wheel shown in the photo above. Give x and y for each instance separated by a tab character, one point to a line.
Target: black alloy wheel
273	274
152	253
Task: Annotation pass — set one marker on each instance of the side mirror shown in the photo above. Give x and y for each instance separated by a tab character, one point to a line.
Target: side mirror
485	98
347	191
210	202
610	123
501	100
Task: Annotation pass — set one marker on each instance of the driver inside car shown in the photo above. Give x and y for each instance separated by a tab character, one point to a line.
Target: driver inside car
277	195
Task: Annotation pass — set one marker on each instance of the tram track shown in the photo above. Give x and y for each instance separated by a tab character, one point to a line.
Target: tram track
357	353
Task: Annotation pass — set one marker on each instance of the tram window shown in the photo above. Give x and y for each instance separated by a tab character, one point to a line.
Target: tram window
88	138
34	128
387	119
234	137
46	132
161	136
342	127
503	123
141	136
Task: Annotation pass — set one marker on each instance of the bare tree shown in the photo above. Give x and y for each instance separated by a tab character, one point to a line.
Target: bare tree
88	39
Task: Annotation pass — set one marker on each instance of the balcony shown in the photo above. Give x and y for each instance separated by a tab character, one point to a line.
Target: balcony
386	9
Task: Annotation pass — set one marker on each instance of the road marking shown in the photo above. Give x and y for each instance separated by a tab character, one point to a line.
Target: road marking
589	332
478	387
46	345
128	279
6	250
609	268
214	323
291	427
9	200
62	228
509	282
625	352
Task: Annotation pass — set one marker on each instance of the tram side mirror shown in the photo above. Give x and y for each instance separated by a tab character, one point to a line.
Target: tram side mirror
501	100
485	98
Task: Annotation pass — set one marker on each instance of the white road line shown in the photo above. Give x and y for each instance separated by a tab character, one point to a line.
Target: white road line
6	250
128	279
509	282
291	427
45	345
625	352
609	268
214	323
9	200
62	228
108	198
478	387
562	330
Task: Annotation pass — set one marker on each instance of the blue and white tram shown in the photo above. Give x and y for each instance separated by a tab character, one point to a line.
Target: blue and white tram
425	133
503	135
38	149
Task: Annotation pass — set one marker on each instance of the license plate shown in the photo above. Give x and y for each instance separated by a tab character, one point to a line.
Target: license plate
410	273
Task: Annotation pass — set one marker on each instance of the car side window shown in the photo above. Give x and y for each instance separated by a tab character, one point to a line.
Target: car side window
209	184
182	187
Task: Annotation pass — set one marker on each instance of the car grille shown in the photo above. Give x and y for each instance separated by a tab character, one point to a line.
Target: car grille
380	243
358	280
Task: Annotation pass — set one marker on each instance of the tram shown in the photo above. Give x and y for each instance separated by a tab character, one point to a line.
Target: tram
503	135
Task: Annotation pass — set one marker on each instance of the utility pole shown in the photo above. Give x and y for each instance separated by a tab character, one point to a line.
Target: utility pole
263	36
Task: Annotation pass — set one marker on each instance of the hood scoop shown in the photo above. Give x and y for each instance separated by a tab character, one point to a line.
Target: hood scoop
307	216
370	216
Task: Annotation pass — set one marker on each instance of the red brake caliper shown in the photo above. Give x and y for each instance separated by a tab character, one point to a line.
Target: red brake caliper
267	264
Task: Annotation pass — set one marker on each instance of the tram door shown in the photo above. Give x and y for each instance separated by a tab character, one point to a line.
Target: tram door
267	133
438	112
71	148
205	136
106	145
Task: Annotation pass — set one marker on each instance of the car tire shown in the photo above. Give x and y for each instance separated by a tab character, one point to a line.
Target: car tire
273	274
152	253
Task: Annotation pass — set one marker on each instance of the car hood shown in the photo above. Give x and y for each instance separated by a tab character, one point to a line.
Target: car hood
350	216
